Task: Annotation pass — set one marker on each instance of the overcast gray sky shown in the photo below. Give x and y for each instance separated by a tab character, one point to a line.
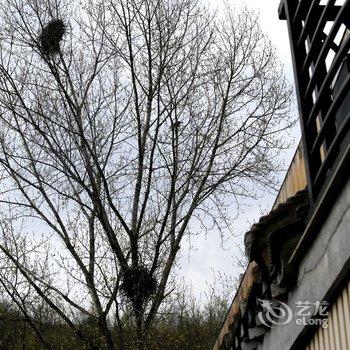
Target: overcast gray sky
208	256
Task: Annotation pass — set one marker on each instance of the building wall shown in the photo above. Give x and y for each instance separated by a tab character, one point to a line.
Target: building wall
337	334
321	270
295	179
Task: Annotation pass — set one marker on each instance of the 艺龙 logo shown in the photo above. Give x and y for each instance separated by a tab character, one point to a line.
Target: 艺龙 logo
274	313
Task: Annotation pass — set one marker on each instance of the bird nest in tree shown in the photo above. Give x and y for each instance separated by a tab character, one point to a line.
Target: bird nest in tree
138	284
51	37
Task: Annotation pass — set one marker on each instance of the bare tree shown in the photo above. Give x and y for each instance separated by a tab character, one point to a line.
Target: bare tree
121	129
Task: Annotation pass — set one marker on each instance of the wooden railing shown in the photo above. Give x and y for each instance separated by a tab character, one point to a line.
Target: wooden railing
320	44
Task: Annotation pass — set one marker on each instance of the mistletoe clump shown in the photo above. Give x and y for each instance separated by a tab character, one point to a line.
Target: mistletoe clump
138	284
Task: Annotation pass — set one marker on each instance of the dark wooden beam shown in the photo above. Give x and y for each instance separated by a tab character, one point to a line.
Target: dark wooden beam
282	11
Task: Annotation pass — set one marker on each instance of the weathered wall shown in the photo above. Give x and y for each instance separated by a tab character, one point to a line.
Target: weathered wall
324	264
337	334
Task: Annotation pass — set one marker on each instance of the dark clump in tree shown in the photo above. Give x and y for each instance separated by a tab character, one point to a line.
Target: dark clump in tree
51	37
138	284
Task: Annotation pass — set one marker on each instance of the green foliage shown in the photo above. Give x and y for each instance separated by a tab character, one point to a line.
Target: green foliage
188	325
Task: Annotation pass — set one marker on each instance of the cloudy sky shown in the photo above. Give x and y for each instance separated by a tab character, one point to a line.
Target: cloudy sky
207	256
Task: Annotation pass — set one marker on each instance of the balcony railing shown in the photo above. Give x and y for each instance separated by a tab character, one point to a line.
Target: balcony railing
320	45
